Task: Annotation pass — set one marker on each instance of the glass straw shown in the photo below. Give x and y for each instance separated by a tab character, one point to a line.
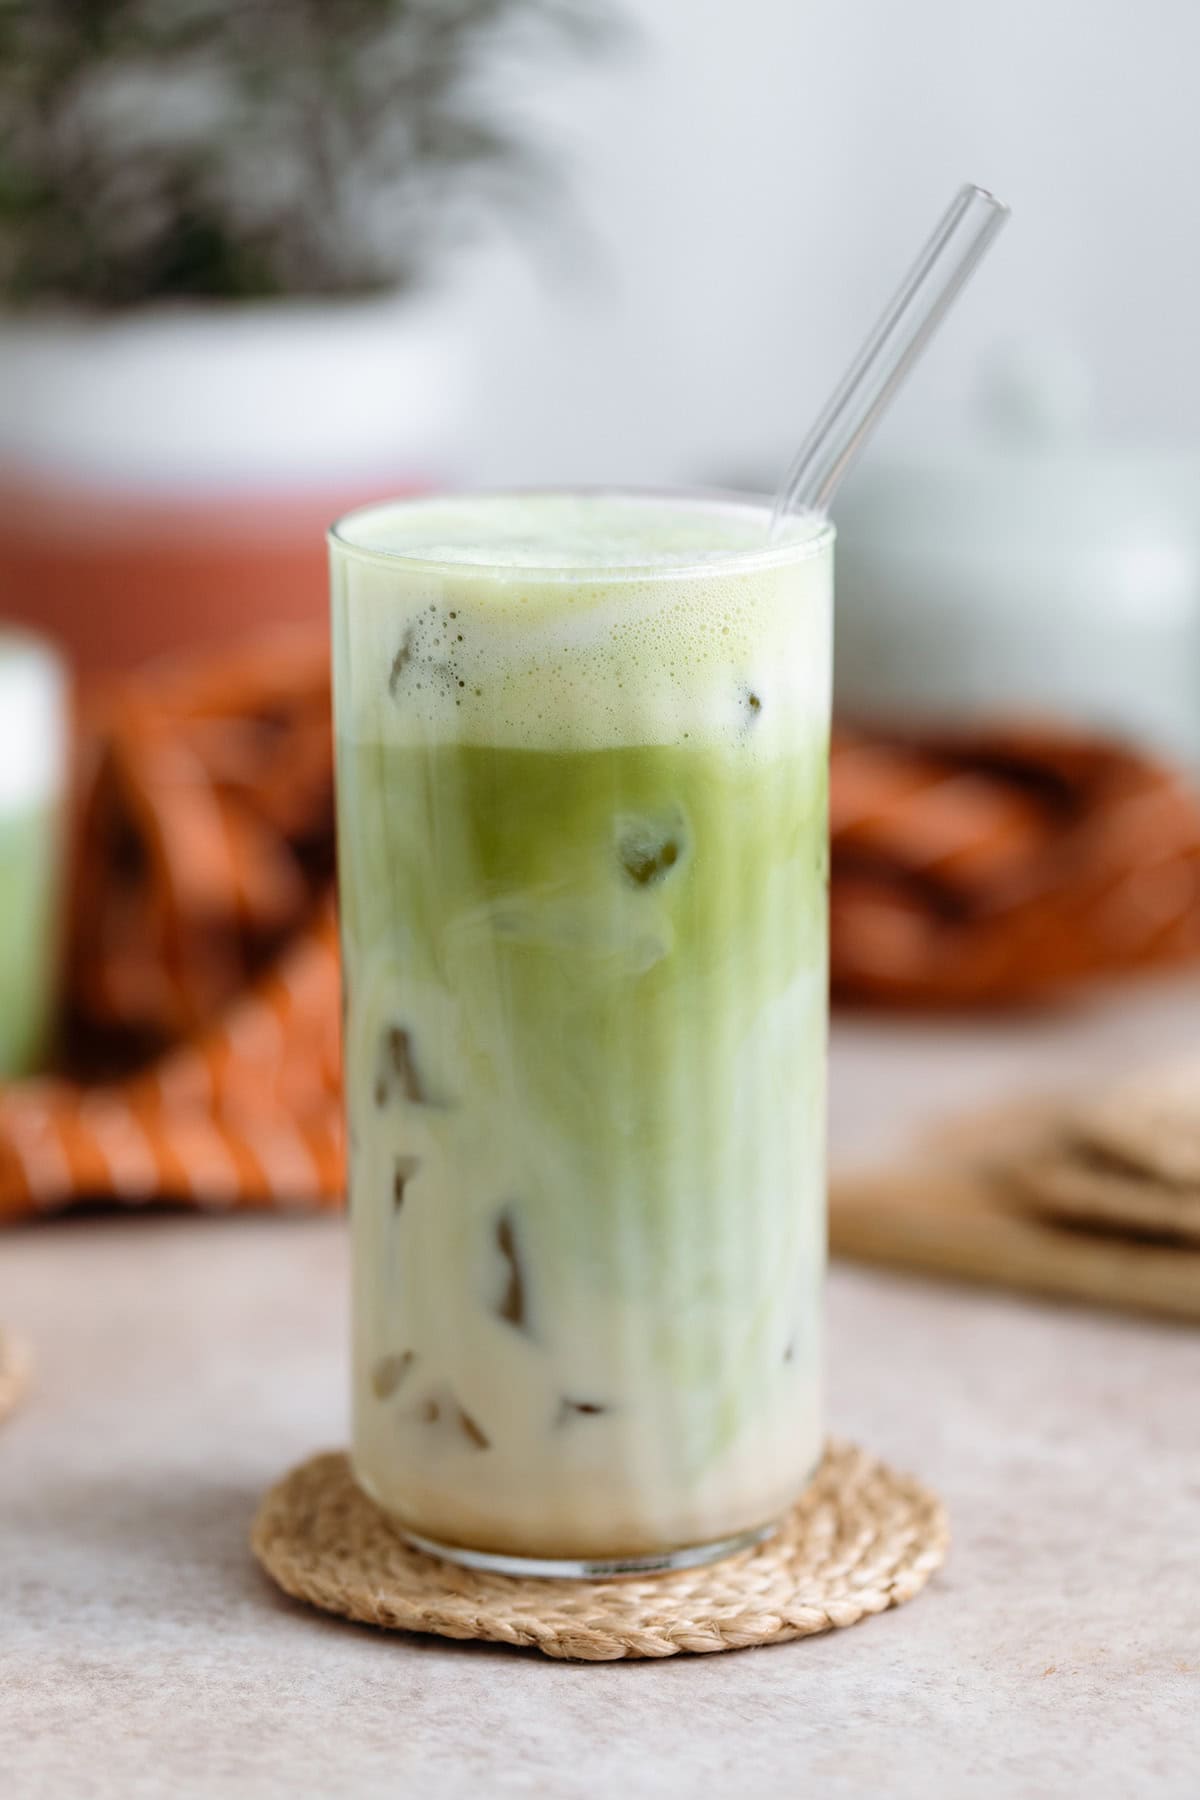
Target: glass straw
926	294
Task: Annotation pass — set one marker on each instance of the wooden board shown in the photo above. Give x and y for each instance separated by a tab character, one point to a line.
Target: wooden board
945	1217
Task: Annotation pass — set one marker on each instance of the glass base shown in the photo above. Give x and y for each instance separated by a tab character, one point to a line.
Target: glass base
601	1568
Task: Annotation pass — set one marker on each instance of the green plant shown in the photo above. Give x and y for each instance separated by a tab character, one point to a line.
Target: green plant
157	149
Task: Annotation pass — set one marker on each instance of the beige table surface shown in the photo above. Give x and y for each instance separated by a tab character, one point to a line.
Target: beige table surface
182	1364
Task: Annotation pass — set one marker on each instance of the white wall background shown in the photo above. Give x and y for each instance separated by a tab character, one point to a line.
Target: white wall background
753	176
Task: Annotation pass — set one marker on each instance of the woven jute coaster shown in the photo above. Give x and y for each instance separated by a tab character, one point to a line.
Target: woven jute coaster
14	1370
861	1539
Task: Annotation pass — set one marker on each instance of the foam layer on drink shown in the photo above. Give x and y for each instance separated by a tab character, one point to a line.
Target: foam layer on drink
551	621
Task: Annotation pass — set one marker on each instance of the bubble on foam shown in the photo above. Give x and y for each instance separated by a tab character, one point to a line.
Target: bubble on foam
606	657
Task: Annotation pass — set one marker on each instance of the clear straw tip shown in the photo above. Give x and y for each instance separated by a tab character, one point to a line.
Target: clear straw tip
925	296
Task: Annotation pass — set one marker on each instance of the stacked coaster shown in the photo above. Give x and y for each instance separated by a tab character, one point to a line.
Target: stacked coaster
1128	1162
1095	1199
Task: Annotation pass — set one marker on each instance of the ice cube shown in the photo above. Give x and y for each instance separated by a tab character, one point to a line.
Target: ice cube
569	1410
397	1069
650	847
439	1409
511	1304
389	1372
405	1168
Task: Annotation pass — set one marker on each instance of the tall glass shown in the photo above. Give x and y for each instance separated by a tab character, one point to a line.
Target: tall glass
582	760
34	733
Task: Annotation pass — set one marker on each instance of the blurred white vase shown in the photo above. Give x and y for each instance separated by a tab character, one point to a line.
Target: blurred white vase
274	394
1032	573
166	475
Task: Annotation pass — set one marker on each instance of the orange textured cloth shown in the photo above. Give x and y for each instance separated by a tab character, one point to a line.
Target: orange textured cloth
1004	864
199	1054
199	1047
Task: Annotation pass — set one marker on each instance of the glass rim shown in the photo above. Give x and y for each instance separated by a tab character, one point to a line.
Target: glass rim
771	555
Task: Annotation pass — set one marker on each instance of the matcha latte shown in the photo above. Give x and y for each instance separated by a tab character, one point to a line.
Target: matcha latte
34	738
582	751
